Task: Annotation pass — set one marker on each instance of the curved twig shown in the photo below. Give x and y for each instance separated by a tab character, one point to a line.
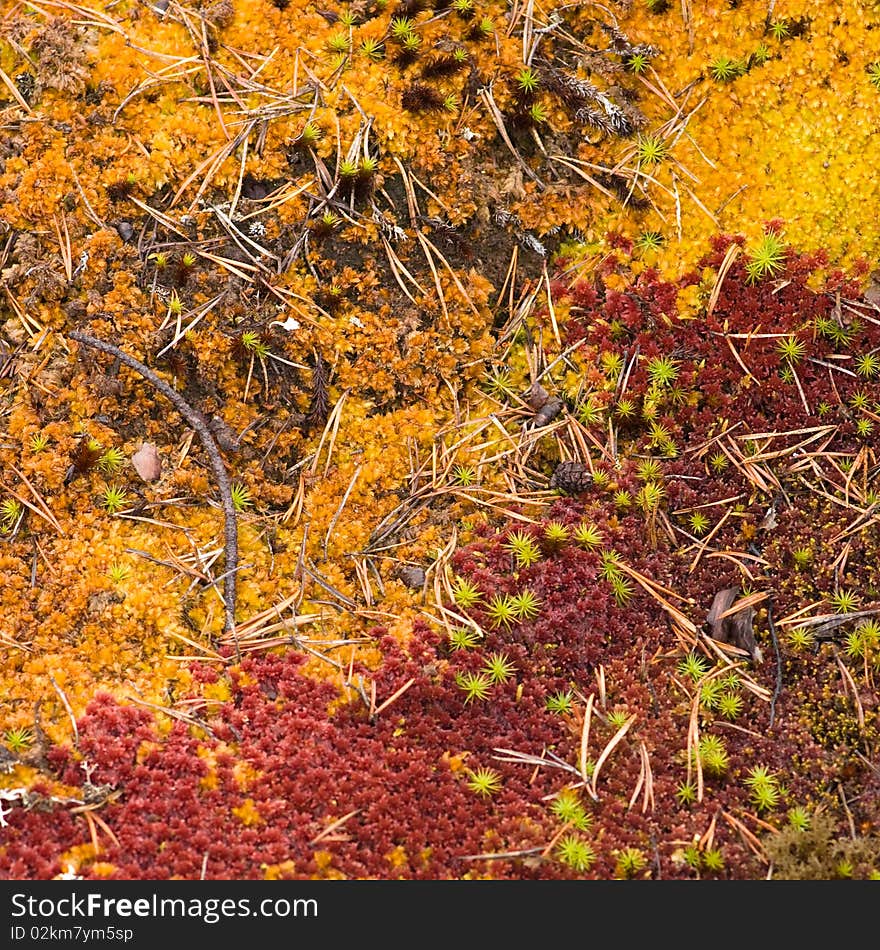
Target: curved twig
196	420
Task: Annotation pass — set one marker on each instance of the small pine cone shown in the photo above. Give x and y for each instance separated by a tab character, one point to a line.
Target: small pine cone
571	478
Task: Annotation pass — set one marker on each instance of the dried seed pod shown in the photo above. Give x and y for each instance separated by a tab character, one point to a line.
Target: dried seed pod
571	478
125	231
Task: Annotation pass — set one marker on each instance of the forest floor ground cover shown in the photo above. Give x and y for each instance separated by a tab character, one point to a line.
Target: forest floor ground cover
437	440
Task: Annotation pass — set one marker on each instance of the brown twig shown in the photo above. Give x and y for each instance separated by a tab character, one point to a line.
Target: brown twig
204	433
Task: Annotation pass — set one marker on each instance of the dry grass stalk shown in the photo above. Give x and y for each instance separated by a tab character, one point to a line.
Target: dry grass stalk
694	762
91	821
64	245
495	114
339	509
645	781
708	836
43	509
585	739
259	627
738	558
744	603
174	714
182	331
551	844
704	543
343	601
31	326
203	650
441	297
686	640
374	712
655	591
331	430
10	85
327	833
739	359
397	268
547	759
176	564
66	703
577	167
751	841
363	578
606	752
849	686
455	279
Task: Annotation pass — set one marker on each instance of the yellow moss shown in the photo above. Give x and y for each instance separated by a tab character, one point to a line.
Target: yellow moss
689	302
21	776
755	142
219	691
245	775
248	814
279	872
145	750
209	782
77	857
456	761
397	858
326	871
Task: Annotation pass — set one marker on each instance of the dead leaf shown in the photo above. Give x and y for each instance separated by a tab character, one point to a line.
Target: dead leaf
512	186
412	576
737	628
769	522
147	463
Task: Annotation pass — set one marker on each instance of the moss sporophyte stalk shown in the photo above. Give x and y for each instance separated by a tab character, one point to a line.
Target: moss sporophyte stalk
389	391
